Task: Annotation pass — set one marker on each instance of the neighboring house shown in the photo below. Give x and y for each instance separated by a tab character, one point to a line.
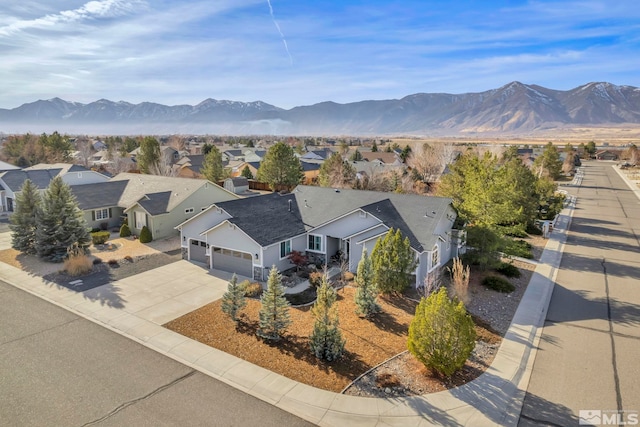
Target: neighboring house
159	202
311	171
41	175
236	170
233	155
381	157
99	145
237	185
607	155
375	168
322	154
248	236
254	155
190	166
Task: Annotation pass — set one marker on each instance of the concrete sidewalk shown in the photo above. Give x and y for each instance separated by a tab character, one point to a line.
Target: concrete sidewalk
136	307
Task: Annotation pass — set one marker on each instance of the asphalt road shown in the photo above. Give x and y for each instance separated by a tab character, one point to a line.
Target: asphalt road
588	357
58	369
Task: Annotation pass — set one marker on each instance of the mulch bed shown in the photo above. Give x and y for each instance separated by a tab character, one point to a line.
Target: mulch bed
368	342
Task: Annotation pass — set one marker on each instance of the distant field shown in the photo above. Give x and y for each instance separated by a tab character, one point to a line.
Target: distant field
611	135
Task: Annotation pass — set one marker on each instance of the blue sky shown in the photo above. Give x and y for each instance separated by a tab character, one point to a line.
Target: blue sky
295	52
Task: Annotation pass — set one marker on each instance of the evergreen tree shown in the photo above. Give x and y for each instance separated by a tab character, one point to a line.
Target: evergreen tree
591	148
442	334
393	261
60	223
365	297
549	163
356	156
280	167
326	339
24	219
234	299
145	235
374	147
336	173
274	310
212	168
149	157
246	172
405	153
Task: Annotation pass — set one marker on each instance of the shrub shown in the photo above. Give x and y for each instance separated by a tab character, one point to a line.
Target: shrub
145	235
234	300
514	231
326	339
460	276
128	258
508	270
253	290
78	264
499	284
100	237
125	231
442	334
518	248
534	230
112	262
315	279
97	261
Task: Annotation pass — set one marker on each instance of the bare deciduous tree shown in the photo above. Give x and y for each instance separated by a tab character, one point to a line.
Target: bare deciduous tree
85	150
429	161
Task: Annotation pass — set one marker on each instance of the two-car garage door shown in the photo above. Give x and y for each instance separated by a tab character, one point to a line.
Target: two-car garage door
223	259
232	261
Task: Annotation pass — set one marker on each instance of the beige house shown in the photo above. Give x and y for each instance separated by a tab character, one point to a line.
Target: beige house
159	202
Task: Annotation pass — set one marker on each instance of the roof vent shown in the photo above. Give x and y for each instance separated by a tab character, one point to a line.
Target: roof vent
336	190
289	205
305	203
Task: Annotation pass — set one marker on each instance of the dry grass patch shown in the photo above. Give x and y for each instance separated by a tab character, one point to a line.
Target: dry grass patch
368	342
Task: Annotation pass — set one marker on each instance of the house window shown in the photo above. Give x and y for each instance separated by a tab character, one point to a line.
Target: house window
141	220
315	243
102	214
435	257
188	210
285	248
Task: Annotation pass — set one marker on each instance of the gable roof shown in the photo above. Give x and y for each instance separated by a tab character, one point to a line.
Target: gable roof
61	167
266	219
384	157
272	218
41	178
99	195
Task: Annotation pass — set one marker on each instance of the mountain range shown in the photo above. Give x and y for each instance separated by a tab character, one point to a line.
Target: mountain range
514	109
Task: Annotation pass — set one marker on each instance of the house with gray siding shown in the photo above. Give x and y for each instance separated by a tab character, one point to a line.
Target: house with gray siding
248	236
11	181
158	202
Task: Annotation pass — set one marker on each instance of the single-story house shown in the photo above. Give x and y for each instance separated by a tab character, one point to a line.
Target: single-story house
236	185
11	181
248	236
159	202
381	157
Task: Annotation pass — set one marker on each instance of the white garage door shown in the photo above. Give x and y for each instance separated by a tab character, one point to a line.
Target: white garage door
198	251
232	261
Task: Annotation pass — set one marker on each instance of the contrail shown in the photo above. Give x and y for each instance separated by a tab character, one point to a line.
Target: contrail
284	41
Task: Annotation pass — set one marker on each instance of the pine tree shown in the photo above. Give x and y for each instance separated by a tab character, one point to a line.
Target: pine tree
442	334
212	167
365	297
149	157
246	172
60	223
326	339
336	173
23	221
393	261
234	299
274	310
280	167
145	235
374	147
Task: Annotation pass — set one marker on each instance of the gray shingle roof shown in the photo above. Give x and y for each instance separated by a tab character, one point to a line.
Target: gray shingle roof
267	218
156	203
99	195
40	177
